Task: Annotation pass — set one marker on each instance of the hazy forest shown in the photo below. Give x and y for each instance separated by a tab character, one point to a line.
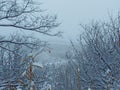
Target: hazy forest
28	62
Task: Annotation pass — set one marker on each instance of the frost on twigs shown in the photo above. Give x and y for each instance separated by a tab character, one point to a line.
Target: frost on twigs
46	86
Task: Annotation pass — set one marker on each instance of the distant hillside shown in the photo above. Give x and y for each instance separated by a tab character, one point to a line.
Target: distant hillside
59	49
58	52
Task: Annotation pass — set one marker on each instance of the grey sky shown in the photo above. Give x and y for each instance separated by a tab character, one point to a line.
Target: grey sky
74	12
71	13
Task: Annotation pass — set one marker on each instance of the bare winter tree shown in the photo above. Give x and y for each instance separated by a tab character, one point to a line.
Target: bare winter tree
24	15
15	61
98	56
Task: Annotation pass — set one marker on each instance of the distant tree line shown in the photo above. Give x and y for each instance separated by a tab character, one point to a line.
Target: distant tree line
92	64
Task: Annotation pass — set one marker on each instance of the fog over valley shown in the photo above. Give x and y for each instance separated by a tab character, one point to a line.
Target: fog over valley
59	44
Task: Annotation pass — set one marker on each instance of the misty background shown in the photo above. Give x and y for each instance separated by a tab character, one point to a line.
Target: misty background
34	57
70	14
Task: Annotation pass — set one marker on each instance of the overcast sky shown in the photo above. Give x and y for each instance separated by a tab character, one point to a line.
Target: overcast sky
73	12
